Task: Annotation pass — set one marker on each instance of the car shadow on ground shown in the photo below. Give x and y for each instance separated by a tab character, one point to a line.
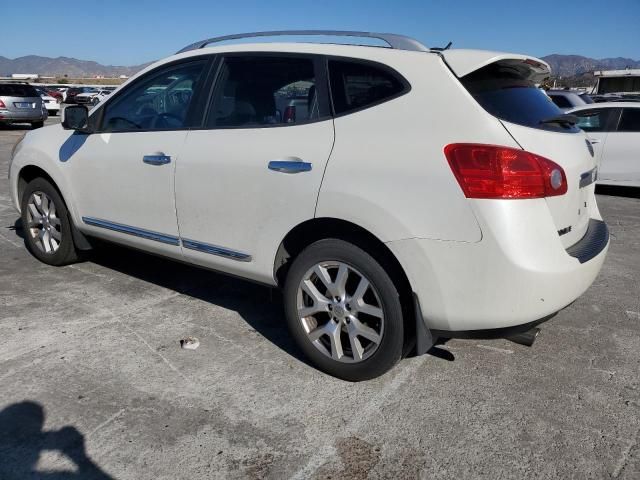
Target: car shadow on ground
23	439
260	306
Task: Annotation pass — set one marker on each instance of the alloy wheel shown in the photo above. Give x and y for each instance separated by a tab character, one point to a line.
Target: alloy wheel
340	311
43	223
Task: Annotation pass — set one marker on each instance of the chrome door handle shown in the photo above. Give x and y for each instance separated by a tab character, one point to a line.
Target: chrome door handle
289	166
156	159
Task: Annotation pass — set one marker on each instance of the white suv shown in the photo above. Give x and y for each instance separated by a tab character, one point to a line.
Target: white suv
420	194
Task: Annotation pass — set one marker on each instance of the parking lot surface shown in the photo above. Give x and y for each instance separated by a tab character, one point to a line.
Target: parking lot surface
94	380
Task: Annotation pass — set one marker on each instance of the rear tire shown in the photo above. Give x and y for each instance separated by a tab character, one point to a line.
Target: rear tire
353	328
53	113
47	225
35	125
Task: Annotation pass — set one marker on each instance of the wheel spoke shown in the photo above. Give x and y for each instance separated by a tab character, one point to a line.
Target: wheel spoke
35	214
363	286
55	234
311	290
313	309
45	204
368	309
336	342
54	221
341	281
365	331
356	346
44	238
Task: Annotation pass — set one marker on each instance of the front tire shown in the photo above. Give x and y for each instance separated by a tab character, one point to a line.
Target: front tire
344	311
46	224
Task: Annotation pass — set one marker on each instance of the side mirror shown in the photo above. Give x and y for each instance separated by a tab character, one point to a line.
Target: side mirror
75	117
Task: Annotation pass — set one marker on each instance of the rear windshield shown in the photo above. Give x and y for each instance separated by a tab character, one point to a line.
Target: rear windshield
17	90
504	92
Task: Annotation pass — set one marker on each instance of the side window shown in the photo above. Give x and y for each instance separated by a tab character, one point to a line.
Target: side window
159	102
356	85
254	91
594	120
560	101
630	121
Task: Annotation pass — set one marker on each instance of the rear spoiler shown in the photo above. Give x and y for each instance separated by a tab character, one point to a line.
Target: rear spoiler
463	62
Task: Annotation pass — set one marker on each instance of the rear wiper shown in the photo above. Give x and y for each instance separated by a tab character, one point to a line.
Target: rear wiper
564	119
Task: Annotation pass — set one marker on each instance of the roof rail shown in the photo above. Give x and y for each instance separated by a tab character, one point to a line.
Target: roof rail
398	42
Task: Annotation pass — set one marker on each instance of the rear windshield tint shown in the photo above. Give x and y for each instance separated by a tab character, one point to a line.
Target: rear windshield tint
17	90
504	92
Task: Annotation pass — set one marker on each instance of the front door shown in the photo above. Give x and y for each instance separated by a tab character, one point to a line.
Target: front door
123	175
255	171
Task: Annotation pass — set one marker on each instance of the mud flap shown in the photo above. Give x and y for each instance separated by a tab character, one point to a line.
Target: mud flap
424	339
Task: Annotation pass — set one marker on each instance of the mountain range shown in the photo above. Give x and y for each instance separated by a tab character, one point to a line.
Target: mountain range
60	66
561	65
574	65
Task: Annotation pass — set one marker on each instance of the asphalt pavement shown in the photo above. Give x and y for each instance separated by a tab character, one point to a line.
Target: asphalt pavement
95	384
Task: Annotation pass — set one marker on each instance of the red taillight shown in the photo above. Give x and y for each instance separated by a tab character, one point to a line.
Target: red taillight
492	171
2	105
290	114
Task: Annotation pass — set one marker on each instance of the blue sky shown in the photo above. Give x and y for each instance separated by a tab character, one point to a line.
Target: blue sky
128	32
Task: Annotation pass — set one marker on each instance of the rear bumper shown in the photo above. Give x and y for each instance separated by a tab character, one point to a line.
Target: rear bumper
27	116
517	274
52	106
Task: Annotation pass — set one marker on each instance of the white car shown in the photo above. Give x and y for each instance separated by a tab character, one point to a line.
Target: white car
93	97
51	104
614	129
417	196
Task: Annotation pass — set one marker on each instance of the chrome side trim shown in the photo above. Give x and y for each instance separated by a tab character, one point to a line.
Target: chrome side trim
138	232
216	250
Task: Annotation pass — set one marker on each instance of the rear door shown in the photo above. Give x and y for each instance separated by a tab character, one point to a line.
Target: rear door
506	86
621	161
252	173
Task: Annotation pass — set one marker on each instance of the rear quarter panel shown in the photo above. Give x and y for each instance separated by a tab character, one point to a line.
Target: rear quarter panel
388	173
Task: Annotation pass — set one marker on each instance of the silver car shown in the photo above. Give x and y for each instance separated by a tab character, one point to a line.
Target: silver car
20	103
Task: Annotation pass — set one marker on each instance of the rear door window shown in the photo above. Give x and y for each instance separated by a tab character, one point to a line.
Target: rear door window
17	90
505	92
264	90
630	120
595	120
359	85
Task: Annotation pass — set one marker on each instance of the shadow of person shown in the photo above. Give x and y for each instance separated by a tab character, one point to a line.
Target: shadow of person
22	440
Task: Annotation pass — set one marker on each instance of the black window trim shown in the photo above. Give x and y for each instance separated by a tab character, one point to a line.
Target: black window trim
620	115
406	86
96	118
322	84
